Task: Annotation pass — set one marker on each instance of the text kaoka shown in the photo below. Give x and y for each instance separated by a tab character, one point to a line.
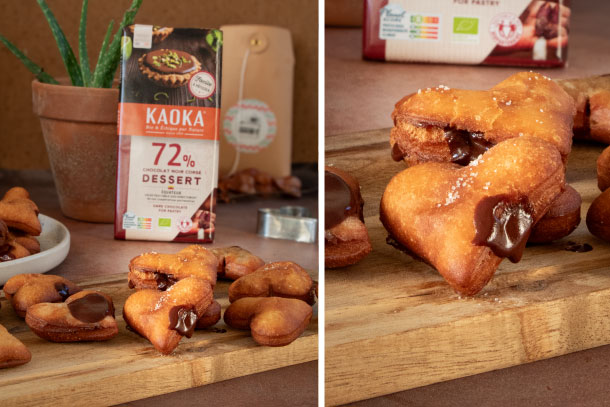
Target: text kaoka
176	117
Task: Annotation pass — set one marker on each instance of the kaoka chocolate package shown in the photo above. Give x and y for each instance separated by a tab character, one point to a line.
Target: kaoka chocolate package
490	32
169	111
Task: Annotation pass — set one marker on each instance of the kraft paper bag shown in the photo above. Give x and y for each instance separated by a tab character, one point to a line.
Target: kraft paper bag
256	129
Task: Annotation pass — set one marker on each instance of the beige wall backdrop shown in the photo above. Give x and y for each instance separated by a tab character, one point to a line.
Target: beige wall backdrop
23	23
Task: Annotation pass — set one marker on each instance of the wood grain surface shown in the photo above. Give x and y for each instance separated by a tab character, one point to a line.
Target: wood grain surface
128	367
392	323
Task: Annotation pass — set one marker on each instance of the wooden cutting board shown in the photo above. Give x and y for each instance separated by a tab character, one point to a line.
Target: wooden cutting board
128	367
392	323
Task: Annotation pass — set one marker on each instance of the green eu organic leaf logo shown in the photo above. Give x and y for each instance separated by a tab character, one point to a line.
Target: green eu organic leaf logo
465	25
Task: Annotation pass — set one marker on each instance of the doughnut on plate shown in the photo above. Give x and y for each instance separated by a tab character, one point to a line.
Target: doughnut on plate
54	246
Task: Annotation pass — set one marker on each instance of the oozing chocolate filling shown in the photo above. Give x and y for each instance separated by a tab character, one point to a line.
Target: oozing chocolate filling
182	320
465	146
340	201
164	281
62	290
503	224
169	61
91	308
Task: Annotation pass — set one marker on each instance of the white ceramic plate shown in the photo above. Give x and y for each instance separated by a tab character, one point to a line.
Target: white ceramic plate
54	246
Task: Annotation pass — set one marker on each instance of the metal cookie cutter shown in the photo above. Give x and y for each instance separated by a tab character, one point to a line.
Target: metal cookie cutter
287	222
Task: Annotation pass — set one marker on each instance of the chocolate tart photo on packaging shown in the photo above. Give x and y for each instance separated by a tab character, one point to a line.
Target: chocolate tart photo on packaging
168	67
169	112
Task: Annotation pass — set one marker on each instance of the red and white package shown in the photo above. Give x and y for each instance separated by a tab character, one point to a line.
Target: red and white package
490	32
169	113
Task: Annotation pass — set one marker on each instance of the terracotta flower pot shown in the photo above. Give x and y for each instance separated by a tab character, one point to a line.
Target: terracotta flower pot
80	131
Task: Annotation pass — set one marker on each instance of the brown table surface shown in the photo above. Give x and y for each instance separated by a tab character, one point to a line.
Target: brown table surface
360	95
94	252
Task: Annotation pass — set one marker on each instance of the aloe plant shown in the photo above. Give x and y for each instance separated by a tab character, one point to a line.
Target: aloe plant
79	70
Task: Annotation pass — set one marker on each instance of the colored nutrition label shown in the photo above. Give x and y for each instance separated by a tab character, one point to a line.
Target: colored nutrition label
396	24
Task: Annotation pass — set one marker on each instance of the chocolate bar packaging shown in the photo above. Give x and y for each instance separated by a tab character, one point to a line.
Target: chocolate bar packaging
169	112
490	32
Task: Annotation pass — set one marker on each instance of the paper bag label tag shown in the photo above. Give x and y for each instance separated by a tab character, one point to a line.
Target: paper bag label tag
250	126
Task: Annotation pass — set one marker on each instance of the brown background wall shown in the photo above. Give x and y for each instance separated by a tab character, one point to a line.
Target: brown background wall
21	143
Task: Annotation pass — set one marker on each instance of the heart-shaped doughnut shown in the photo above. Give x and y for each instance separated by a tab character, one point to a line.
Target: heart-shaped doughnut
464	220
603	170
562	218
592	98
27	241
12	249
454	125
12	351
346	240
85	316
159	271
598	216
164	317
24	290
236	262
20	212
280	279
273	321
210	317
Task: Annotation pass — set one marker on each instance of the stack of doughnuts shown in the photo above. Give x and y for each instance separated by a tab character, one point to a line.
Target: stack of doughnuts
487	173
175	295
18	225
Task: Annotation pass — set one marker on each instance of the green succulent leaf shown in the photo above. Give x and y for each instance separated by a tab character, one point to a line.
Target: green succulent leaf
96	73
83	55
110	61
62	43
41	75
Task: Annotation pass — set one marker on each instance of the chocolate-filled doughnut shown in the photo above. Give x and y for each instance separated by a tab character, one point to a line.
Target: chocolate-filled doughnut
85	316
346	238
603	170
12	351
598	216
442	124
464	220
561	219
